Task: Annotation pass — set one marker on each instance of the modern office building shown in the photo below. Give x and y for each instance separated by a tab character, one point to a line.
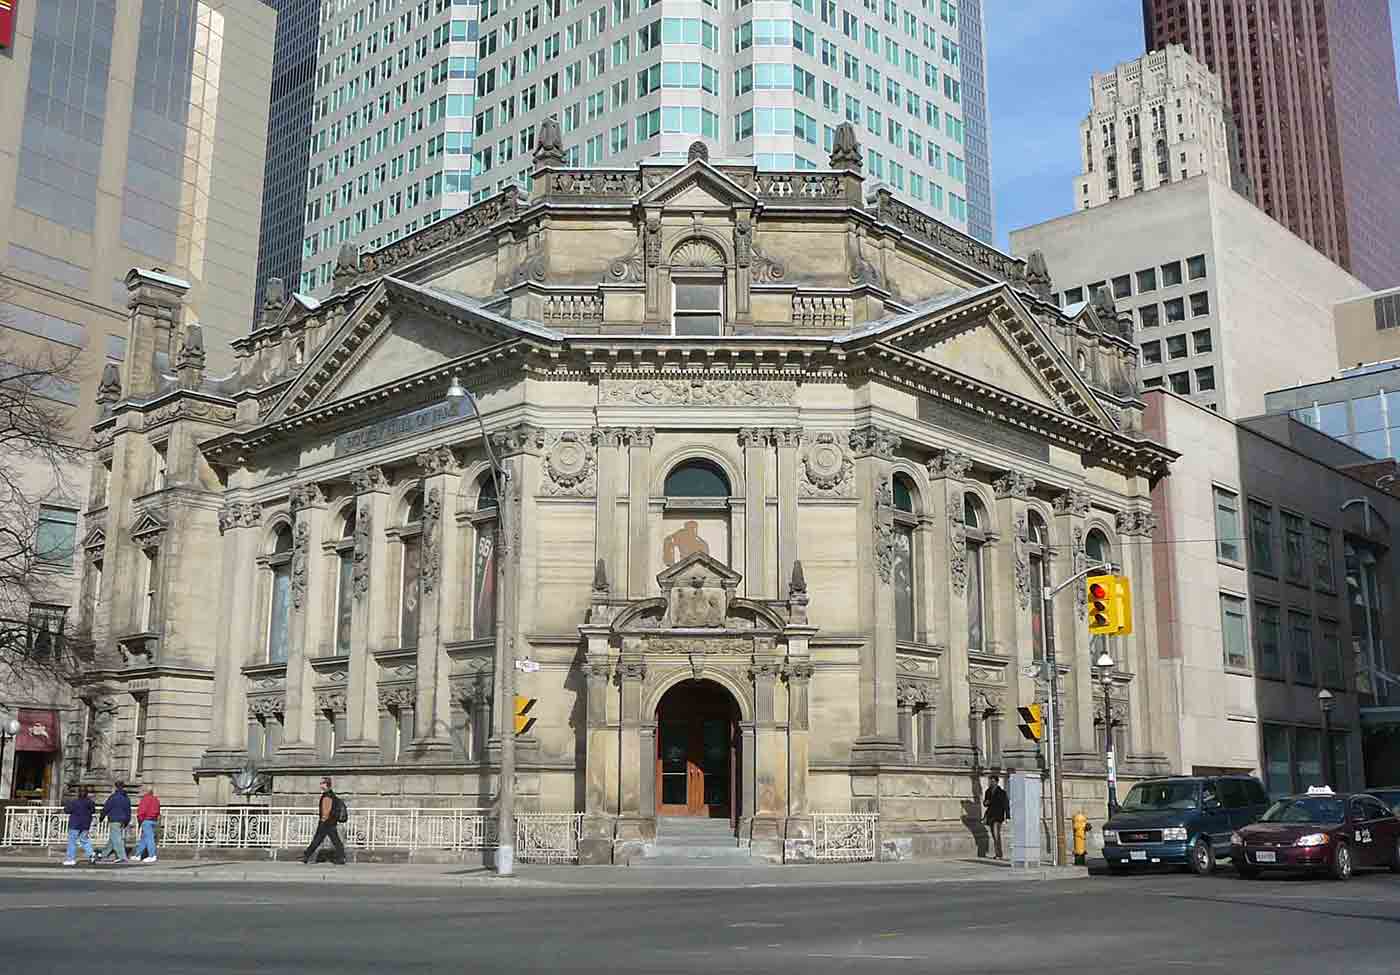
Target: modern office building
1368	328
1226	303
1313	93
422	109
288	141
972	37
1154	120
1359	406
131	133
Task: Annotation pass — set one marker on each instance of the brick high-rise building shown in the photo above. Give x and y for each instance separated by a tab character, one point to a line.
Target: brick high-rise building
1312	89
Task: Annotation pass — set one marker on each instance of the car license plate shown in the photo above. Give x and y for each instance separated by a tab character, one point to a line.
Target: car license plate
1265	856
1137	854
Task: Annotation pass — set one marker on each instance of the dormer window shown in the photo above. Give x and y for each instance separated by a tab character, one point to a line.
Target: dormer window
698	306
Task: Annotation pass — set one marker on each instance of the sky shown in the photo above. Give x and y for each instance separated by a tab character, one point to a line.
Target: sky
1039	65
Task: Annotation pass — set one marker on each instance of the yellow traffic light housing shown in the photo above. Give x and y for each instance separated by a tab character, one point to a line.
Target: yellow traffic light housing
1110	605
524	720
1032	724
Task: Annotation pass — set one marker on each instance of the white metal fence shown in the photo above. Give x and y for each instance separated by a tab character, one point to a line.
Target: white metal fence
548	837
844	837
263	827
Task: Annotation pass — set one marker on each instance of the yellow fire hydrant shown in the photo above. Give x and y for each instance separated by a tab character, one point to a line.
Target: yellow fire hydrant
1081	828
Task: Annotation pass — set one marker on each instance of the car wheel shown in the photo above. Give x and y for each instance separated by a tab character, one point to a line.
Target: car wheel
1202	858
1395	858
1341	863
1247	872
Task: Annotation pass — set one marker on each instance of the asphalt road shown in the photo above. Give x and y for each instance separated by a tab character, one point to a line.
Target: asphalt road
1102	925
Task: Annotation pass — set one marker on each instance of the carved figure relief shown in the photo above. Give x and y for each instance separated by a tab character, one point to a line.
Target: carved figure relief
359	572
1079	562
697	392
430	567
950	463
301	543
570	464
957	543
884	533
827	470
1020	540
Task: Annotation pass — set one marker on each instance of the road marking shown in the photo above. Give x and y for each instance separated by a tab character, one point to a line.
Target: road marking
857	957
754	924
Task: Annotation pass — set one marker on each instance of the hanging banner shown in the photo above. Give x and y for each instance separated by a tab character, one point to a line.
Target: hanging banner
8	15
38	730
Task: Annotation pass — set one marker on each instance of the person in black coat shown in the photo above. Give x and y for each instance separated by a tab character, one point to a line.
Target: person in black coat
997	810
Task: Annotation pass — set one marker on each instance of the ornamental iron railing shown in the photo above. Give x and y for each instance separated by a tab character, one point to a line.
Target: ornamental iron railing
548	837
844	837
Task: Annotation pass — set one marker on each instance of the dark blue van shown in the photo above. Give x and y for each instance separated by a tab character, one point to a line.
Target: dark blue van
1184	820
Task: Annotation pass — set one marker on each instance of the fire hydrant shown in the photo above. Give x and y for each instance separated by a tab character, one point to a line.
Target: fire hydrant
1081	828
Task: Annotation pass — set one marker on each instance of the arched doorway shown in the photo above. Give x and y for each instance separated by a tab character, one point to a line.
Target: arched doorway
697	752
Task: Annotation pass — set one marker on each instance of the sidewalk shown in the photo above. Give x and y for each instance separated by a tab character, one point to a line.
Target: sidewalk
566	877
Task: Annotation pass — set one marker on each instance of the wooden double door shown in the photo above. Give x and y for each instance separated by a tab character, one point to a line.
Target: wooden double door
697	752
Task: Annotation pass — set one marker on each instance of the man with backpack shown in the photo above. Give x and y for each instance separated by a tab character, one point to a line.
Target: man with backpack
331	812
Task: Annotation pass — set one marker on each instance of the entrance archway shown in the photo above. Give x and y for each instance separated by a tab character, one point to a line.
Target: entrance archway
698	752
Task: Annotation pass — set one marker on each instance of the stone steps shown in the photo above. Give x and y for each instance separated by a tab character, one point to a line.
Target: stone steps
686	841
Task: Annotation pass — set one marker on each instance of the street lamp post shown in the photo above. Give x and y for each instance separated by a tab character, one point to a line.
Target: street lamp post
1104	665
1326	701
8	730
505	656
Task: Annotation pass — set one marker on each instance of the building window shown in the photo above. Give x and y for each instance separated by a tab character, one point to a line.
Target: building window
1268	659
1150	316
138	736
1201	340
56	536
1151	353
484	525
149	587
159	469
905	522
1200	304
974	516
1147	280
1261	538
1181	383
1176	346
1196	267
1227	525
1387	312
1205	379
1367	617
1234	635
1323	576
1171	274
1300	640
1123	286
1175	310
411	543
279	596
1152	382
1293	548
696	517
1308	765
1073	296
699	306
90	736
345	581
1333	673
1042	621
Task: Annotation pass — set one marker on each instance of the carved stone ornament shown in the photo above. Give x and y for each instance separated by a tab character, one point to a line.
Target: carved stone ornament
1022	559
631	267
274	299
697	252
332	701
239	514
631	670
801	670
697	392
1079	561
597	672
698	646
797	585
1038	275
652	240
1118	711
950	463
301	547
347	266
957	544
985	701
912	693
1136	521
698	150
369	479
359	572
265	707
743	241
884	533
430	566
549	143
845	148
109	390
1072	502
308	495
764	672
437	460
873	441
570	463
1013	484
862	270
397	697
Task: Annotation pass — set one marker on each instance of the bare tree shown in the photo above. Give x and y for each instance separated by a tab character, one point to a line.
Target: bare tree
39	447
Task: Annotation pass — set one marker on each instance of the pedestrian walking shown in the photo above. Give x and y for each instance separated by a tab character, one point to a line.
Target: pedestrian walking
116	812
331	812
80	812
998	810
147	816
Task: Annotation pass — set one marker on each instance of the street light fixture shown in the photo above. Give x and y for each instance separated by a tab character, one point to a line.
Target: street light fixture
1104	665
505	657
8	730
1326	701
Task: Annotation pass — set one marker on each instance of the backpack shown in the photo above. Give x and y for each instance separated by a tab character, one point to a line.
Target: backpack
339	811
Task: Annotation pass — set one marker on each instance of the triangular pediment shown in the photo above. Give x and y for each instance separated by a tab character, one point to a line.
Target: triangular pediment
147	523
95	538
699	570
698	186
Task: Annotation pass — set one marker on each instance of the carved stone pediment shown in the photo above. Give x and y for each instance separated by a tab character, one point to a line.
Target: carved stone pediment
698	589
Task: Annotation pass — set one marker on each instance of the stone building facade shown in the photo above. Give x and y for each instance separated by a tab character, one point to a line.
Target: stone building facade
785	472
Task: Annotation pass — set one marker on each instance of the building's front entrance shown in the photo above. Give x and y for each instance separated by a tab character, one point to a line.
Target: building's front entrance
697	752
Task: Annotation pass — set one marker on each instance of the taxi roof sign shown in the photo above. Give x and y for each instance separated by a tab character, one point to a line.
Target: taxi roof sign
1320	790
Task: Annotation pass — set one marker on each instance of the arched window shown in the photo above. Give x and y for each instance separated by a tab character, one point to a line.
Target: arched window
974	516
905	522
696	518
344	580
1098	552
1038	555
411	543
483	595
280	596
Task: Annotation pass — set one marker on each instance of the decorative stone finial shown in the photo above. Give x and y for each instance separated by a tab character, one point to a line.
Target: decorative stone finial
347	265
845	148
600	577
549	143
189	363
109	390
798	585
698	150
1038	275
1104	306
274	298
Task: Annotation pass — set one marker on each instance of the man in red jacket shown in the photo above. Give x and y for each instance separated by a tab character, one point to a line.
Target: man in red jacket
147	815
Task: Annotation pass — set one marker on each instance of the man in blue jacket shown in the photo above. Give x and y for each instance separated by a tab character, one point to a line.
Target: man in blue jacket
116	812
80	812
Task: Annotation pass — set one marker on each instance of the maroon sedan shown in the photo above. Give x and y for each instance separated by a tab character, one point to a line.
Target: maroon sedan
1319	831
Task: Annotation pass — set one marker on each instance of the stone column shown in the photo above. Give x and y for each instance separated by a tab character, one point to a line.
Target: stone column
635	824
309	598
1071	631
440	562
770	765
947	473
600	752
789	441
754	442
369	614
238	522
874	449
639	541
1015	634
612	475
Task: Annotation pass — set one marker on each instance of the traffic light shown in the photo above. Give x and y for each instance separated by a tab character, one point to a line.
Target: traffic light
1032	726
1110	605
524	720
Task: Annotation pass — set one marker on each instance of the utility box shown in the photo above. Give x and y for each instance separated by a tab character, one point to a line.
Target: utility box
1025	819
